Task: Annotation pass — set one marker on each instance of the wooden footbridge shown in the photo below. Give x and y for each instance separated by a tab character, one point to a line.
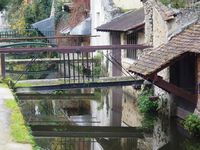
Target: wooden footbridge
78	66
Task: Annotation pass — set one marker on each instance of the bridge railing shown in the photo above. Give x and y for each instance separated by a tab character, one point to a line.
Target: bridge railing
69	64
34	35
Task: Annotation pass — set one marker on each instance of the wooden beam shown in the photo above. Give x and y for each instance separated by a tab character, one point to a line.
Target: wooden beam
3	69
43	37
73	49
169	87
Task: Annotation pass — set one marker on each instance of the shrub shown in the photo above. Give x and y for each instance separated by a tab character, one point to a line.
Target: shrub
192	124
174	3
145	105
8	81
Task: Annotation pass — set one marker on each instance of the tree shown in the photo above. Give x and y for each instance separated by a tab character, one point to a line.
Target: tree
22	15
3	4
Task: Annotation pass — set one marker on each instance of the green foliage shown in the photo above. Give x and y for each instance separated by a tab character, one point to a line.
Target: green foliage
8	81
145	105
3	4
190	144
174	3
99	69
37	11
59	92
148	121
22	15
192	124
60	15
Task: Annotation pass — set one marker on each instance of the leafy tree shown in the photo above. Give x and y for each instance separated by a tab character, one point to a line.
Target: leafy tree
22	15
3	4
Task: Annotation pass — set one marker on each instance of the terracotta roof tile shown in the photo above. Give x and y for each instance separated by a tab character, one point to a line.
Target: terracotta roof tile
160	57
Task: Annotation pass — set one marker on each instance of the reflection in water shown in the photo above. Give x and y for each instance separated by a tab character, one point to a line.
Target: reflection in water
88	143
111	108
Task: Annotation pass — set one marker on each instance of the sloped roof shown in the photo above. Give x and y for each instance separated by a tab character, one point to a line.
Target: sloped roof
46	26
161	57
83	28
124	22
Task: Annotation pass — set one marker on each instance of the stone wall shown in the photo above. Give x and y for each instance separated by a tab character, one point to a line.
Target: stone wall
148	11
197	111
159	30
130	113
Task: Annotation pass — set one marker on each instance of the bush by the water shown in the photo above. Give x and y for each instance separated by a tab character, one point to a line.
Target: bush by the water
145	105
192	124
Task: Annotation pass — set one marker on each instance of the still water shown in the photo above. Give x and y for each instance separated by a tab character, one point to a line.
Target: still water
100	119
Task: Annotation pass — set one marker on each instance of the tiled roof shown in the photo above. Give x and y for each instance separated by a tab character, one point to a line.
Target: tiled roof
161	57
124	22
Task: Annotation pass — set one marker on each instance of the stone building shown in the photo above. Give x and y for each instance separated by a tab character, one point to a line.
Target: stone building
114	26
172	64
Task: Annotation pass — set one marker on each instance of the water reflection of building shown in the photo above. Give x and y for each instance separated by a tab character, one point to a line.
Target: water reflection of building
130	114
116	107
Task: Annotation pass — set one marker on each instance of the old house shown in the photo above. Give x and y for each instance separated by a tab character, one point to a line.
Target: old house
127	28
172	64
115	27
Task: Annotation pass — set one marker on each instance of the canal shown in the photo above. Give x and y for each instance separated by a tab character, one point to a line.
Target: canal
99	119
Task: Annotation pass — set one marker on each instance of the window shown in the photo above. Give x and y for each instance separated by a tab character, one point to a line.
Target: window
132	39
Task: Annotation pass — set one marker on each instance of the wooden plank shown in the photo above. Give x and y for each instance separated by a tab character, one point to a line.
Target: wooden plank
79	86
44	37
54	60
169	87
3	69
73	49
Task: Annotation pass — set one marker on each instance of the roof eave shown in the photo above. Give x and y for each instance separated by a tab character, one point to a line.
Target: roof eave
140	26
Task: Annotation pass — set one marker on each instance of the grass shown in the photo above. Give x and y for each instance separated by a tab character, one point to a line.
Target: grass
20	84
19	131
2	85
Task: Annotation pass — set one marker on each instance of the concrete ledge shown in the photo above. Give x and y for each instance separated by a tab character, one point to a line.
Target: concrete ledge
6	141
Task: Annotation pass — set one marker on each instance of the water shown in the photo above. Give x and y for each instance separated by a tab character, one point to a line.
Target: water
104	119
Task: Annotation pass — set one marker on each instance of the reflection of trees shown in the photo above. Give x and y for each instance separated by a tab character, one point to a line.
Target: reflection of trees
40	110
66	143
46	107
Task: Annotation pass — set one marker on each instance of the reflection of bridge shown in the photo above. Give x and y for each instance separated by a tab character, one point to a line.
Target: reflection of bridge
58	97
87	131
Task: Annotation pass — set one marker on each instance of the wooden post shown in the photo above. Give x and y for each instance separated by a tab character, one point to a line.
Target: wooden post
198	84
3	70
116	55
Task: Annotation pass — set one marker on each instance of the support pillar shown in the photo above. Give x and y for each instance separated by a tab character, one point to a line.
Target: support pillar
3	68
197	110
116	55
